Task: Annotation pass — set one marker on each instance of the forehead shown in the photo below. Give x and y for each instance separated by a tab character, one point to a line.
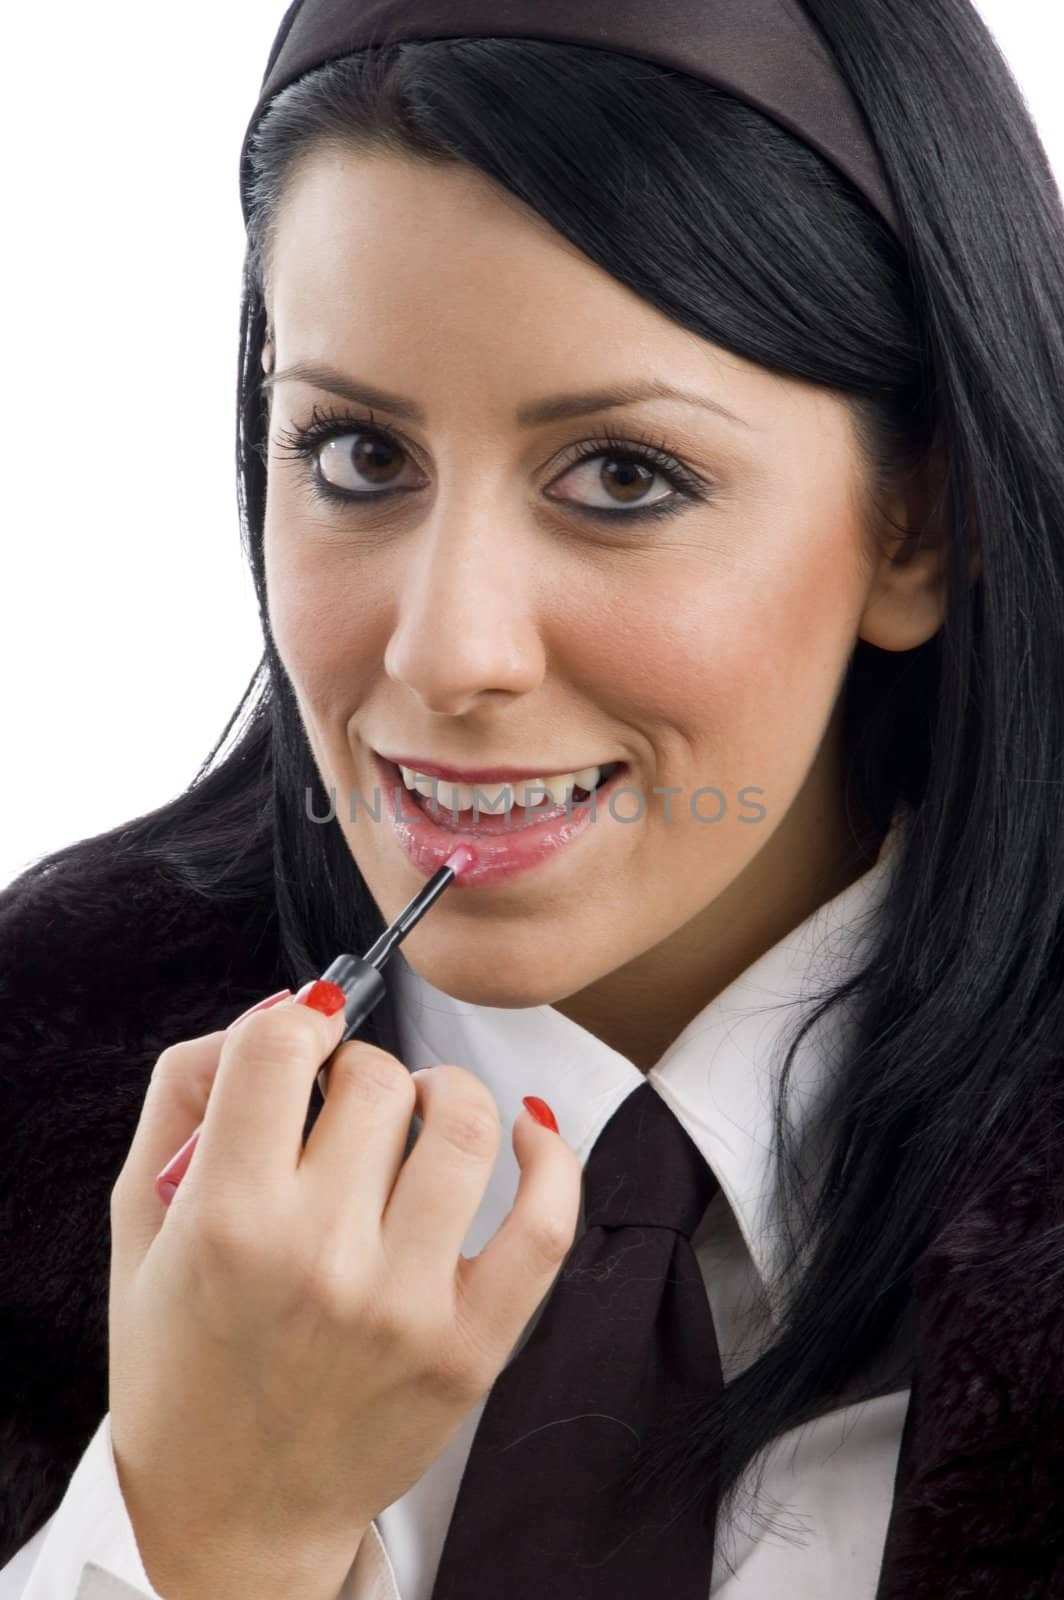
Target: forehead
407	272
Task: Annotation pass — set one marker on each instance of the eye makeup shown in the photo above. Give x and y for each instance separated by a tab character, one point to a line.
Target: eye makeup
648	454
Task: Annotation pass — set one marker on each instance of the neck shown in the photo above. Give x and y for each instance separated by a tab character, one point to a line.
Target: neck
640	1008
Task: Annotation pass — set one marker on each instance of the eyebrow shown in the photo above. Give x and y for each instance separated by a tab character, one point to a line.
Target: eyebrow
555	408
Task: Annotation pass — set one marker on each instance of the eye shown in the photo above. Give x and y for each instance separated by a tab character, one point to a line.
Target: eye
348	461
345	457
640	463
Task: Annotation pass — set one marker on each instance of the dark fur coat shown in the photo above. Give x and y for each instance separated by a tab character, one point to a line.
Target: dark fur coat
103	964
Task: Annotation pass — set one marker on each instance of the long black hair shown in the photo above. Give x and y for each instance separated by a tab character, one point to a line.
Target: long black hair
946	336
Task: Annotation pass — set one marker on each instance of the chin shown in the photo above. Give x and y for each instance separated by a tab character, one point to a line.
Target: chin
510	984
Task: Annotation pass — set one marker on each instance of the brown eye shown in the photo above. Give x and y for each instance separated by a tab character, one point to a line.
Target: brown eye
631	481
347	462
625	481
367	463
344	460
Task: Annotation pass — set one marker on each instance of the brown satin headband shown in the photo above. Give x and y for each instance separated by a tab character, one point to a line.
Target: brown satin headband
765	52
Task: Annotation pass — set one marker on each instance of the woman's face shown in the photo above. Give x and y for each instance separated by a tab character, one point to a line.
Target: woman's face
493	600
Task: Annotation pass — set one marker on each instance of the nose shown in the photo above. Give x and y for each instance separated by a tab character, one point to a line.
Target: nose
466	623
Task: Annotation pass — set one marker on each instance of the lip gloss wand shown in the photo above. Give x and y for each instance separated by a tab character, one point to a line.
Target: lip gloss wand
362	982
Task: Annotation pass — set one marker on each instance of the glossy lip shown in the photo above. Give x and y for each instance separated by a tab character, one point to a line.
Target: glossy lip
432	769
499	856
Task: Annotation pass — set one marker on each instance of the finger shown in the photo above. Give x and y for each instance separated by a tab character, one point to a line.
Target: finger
252	1135
441	1184
502	1286
168	1180
173	1108
356	1146
174	1104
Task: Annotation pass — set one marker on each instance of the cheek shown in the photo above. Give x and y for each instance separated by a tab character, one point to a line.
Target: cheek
737	668
326	620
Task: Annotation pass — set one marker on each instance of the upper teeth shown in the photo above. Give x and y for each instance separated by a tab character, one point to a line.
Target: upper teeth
500	797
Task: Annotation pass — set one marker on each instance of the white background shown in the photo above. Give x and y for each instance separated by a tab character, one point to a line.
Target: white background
128	627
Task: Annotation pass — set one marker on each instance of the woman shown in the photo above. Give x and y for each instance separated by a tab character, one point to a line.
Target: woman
818	586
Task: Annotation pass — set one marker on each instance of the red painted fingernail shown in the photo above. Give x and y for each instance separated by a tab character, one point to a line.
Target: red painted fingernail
540	1110
167	1180
260	1005
323	996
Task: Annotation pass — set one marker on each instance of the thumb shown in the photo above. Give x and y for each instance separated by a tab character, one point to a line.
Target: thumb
172	1114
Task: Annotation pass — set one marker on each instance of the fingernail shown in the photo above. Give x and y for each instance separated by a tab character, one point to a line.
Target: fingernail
323	996
167	1181
176	1167
260	1005
540	1110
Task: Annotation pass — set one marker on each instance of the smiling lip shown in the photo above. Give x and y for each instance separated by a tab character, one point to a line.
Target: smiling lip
500	855
432	769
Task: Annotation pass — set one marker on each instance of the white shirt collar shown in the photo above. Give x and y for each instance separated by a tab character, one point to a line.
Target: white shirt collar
717	1076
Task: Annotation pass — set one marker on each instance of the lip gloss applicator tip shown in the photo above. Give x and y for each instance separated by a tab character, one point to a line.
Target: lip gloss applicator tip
362	982
361	978
460	859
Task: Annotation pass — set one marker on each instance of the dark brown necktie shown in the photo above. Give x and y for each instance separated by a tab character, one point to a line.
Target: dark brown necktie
624	1334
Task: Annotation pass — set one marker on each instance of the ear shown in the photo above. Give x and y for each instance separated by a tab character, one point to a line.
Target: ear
267	353
906	602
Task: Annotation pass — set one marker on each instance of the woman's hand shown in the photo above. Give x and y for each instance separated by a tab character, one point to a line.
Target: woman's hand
295	1340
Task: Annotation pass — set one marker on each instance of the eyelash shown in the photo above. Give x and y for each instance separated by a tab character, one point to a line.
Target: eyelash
302	443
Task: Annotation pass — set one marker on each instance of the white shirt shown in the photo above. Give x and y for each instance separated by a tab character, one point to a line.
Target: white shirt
827	1486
